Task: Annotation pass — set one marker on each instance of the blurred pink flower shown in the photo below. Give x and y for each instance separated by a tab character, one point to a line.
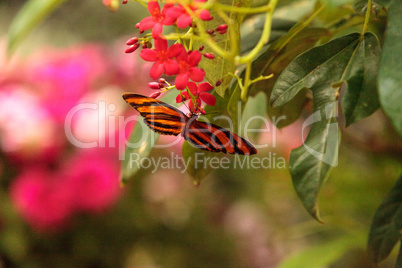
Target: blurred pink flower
100	122
94	176
64	77
43	199
286	139
27	130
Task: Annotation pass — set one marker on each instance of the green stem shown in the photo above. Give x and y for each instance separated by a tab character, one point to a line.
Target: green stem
244	92
142	3
264	37
367	18
246	10
253	53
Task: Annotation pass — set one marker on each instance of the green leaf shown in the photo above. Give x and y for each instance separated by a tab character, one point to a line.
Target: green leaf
360	6
251	30
313	69
386	227
321	255
311	163
385	3
30	16
218	68
142	140
361	97
390	75
318	69
398	262
274	60
194	160
254	115
233	105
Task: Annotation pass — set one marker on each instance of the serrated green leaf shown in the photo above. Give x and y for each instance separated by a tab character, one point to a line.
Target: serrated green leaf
361	96
386	227
142	140
317	69
31	14
390	75
218	68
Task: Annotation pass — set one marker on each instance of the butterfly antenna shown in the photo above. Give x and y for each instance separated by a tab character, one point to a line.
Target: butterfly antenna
183	101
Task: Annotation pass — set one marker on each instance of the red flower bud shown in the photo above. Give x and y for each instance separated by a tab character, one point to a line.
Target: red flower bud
132	48
209	56
154	95
137	25
125	2
222	32
205	15
222	27
132	41
210	31
162	80
201	48
153	85
218	83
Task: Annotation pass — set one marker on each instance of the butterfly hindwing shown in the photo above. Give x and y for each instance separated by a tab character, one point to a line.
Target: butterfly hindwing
159	116
210	137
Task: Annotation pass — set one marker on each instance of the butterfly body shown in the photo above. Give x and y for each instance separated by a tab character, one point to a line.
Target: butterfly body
168	120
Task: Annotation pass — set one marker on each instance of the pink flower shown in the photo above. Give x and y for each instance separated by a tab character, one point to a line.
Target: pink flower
157	19
27	130
187	65
163	58
200	93
95	179
184	19
43	199
62	78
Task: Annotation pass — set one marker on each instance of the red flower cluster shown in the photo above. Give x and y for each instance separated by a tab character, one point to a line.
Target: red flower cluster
174	60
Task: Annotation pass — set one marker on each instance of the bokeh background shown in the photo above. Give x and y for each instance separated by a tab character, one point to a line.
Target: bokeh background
62	206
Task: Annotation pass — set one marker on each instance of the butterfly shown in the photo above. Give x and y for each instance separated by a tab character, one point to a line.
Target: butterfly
168	120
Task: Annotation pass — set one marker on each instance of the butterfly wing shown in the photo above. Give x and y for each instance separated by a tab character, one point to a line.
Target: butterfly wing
159	116
210	137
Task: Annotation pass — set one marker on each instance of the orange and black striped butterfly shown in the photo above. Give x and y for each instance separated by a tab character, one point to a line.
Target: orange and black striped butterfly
167	120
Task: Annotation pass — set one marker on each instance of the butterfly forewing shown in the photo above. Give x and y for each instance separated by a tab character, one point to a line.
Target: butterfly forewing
159	116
